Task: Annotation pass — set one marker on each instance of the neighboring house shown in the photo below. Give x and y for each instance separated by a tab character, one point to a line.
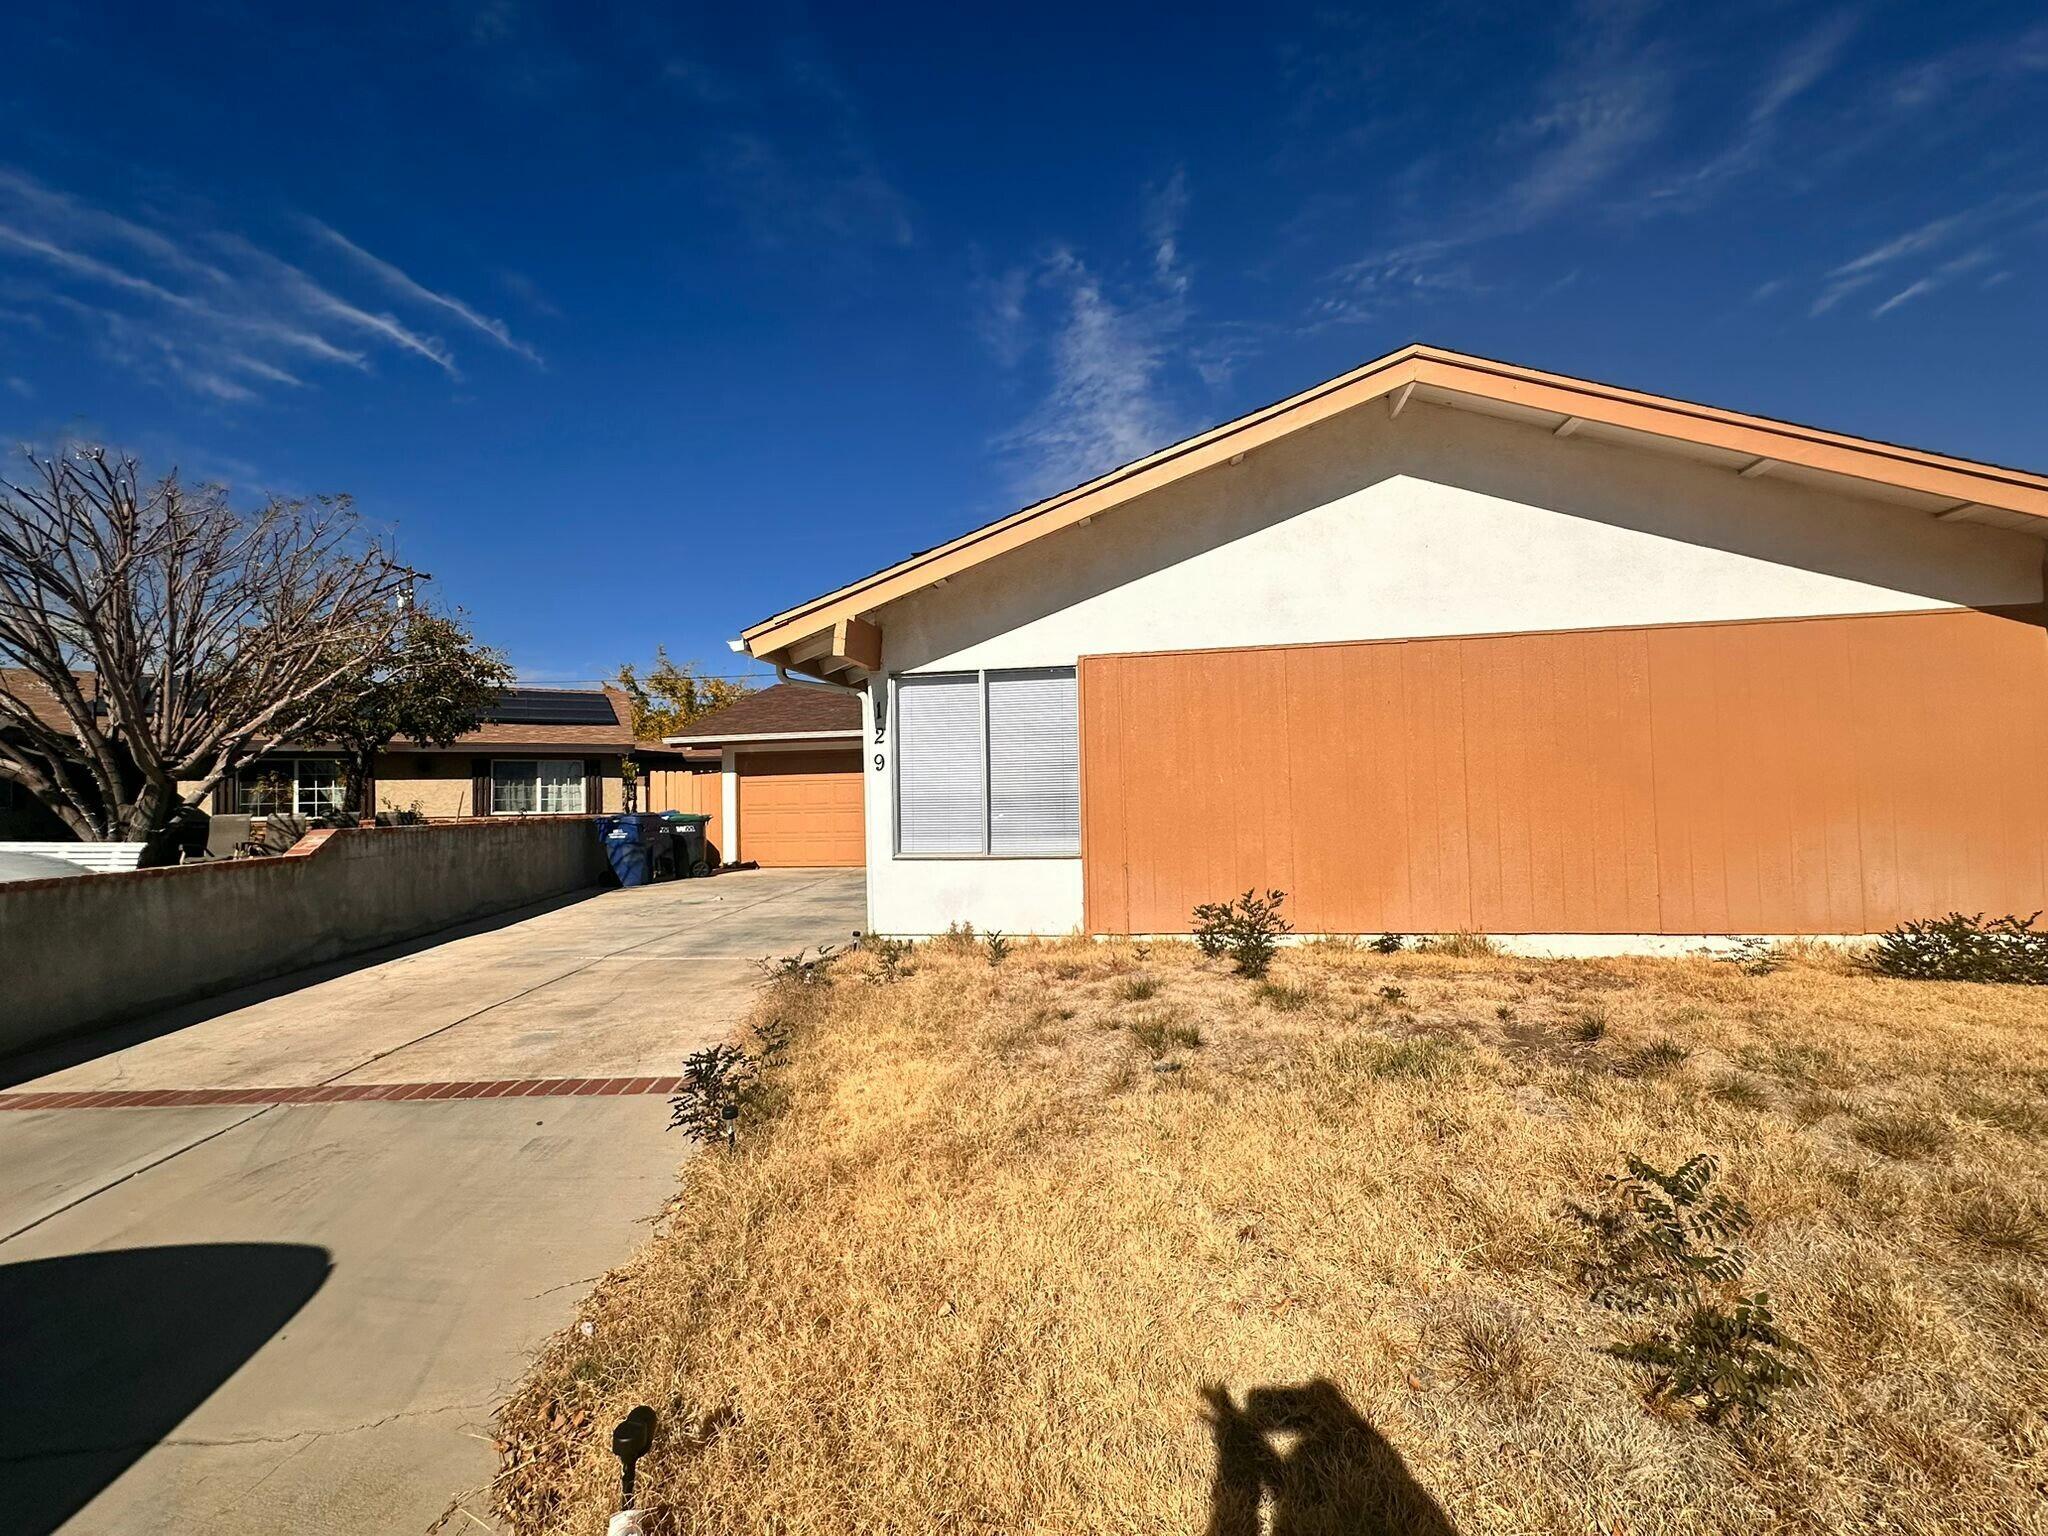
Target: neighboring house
23	818
1448	644
547	751
789	765
539	751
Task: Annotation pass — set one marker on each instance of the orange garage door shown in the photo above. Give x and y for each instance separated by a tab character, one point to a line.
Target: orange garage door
1810	776
801	809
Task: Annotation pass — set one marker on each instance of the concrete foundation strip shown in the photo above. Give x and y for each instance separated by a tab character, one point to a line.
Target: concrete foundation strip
341	1093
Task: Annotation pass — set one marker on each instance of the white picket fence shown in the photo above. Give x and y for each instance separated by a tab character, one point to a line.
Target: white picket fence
100	858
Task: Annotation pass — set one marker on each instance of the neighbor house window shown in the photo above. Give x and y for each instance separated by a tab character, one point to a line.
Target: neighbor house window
988	763
291	786
526	787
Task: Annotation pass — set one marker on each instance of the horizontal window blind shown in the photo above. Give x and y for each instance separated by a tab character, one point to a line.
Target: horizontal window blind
1034	762
940	806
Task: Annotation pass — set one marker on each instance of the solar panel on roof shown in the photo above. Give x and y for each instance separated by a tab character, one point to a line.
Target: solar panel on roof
551	706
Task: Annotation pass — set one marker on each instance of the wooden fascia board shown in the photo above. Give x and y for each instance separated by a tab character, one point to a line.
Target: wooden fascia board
1758	437
1149	474
1453	373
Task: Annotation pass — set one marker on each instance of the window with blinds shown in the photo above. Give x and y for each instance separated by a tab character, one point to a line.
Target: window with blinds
940	806
988	763
1034	762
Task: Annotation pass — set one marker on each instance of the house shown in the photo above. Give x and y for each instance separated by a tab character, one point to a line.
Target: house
1450	644
24	818
546	751
790	781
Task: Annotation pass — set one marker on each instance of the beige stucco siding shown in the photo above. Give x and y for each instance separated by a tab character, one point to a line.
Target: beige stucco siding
1441	523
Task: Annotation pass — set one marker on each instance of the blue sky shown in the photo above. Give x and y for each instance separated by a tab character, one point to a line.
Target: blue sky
641	323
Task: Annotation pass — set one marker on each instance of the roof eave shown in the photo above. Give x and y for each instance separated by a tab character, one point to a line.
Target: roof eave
755	738
803	638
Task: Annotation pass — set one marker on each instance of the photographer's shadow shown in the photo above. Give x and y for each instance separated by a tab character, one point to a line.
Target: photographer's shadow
1319	1463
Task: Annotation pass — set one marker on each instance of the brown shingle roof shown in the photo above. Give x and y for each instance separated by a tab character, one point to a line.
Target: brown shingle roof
785	709
33	692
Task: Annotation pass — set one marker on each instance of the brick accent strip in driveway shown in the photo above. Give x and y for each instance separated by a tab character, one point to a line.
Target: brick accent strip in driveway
341	1093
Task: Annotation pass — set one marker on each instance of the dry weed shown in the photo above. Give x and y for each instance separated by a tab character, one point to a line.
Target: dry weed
989	1272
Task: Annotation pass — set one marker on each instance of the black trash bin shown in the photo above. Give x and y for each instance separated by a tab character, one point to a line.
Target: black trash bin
693	854
629	843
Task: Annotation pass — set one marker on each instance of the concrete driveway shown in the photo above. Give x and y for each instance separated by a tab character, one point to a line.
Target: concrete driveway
268	1263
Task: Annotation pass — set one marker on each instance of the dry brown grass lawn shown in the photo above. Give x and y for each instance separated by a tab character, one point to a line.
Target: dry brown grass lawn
1022	1242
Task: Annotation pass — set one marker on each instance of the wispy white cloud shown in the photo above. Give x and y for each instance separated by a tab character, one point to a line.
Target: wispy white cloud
1592	117
208	310
403	284
1793	75
1102	406
1101	346
1940	277
1923	237
319	302
1982	224
1165	209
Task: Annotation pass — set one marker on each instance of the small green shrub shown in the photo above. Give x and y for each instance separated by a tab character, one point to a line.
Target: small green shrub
1727	1359
1393	994
1248	930
802	969
890	955
1960	948
1664	1248
998	947
1388	944
719	1083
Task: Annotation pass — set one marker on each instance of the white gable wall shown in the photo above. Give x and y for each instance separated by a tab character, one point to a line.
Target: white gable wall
1442	522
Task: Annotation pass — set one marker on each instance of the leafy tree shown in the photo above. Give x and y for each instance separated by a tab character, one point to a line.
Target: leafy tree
430	682
672	695
160	639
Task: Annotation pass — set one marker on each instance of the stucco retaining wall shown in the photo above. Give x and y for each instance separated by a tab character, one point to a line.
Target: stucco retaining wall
76	954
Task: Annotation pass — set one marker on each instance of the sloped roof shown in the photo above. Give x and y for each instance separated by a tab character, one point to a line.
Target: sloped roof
785	709
527	717
1945	487
35	693
522	719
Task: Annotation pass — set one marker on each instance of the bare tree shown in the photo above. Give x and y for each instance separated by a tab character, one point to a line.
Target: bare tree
178	638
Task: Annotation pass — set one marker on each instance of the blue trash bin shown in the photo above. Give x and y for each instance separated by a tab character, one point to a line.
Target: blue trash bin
629	845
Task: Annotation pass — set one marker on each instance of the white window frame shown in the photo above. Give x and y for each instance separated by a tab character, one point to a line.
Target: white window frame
981	676
582	785
288	769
